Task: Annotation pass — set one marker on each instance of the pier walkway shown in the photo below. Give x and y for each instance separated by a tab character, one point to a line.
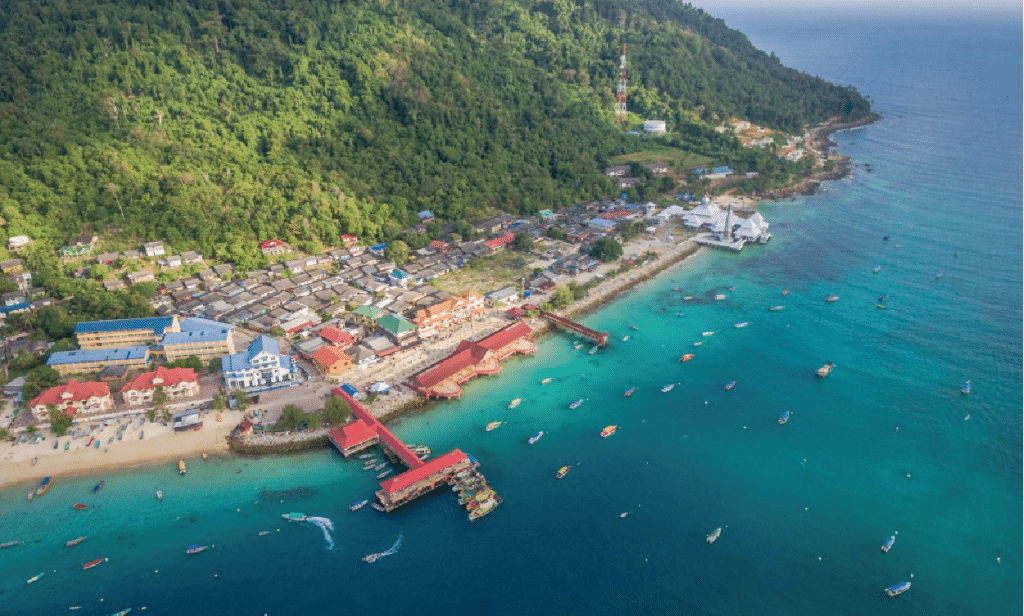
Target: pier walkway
600	338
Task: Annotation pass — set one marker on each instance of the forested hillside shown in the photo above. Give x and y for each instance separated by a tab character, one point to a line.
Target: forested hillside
215	124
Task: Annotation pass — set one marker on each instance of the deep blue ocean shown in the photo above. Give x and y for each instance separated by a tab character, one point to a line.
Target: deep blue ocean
881	446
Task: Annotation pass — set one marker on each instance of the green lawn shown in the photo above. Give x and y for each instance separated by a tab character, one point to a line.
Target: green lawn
678	160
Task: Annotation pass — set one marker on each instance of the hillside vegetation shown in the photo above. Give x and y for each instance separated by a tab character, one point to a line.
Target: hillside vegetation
216	124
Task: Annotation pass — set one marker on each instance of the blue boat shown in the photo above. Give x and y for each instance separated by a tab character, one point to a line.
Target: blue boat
887	545
897	589
357	505
966	389
784	417
99	486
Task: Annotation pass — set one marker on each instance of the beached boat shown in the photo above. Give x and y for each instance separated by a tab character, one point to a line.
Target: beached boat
784	417
96	445
547	380
707	333
966	389
832	298
562	471
776	307
826	369
576	405
74	541
667	388
888	543
536	437
686	358
715	534
608	431
378	507
80	506
742	324
294	517
494	425
385	473
98	486
629	392
357	505
897	589
160	495
730	385
44	485
9	544
34	578
93	563
369	558
514	403
181	467
195	549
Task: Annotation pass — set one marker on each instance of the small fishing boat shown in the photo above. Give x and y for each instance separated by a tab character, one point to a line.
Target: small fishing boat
31	495
625	338
882	298
514	403
536	437
369	558
897	589
698	343
34	578
686	358
576	405
888	543
881	306
380	466
93	563
720	296
939	275
8	544
578	346
608	431
715	534
562	471
742	325
730	385
876	269
264	533
494	425
181	467
378	507
123	612
44	485
966	389
365	456
826	369
775	308
385	473
678	289
74	541
634	328
708	334
159	495
547	380
784	417
629	392
667	388
592	351
785	291
294	517
832	298
98	486
80	506
688	298
357	505
195	549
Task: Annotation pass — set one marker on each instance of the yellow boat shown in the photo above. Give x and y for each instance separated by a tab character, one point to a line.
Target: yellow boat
562	471
608	431
181	467
493	425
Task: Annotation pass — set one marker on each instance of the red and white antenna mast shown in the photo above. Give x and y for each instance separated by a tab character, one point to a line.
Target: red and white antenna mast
620	95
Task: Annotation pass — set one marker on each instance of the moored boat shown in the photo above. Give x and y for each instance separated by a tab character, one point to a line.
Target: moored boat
93	563
698	343
547	380
888	543
494	425
365	456
98	486
608	431
380	466
123	612
80	506
592	351
629	392
742	324
357	505
576	404
667	388
74	541
720	296
785	291
708	334
784	417
514	403
160	495
897	589
730	385
385	473
181	467
625	338
378	507
482	510
966	389
826	369
715	534
562	471
44	485
536	437
776	307
881	306
832	298
294	516
195	549
34	578
686	358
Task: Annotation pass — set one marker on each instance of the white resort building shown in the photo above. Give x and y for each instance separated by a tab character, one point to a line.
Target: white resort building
261	366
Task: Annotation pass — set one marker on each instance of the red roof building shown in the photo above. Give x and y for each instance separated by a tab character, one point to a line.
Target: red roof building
176	382
337	337
74	398
354	437
397	484
471	359
273	247
501	241
347	239
332	361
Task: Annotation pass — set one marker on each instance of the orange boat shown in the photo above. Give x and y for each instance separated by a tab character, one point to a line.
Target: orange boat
686	357
608	431
93	563
80	506
562	471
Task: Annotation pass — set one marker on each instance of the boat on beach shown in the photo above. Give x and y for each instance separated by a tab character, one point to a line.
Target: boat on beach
44	485
294	517
93	563
826	369
730	385
181	467
897	589
514	403
80	506
98	486
608	431
966	389
667	388
74	541
784	417
562	471
357	505
576	405
888	543
715	534
547	380
629	392
494	425
195	549
686	358
536	437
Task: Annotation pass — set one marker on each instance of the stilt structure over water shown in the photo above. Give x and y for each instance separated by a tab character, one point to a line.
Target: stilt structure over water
600	338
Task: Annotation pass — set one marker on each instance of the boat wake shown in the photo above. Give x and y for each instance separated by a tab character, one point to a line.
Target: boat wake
326	526
394	548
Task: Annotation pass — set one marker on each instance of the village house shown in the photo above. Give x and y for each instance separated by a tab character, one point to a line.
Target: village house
177	383
273	247
332	362
506	295
73	399
443	314
18	243
154	249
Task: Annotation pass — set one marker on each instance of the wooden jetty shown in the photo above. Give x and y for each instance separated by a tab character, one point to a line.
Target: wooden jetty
599	338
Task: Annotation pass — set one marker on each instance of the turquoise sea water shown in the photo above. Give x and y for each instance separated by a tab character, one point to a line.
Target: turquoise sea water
805	506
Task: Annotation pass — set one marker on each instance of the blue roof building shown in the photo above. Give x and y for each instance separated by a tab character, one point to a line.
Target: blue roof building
426	215
261	366
157	324
86	360
601	223
120	333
